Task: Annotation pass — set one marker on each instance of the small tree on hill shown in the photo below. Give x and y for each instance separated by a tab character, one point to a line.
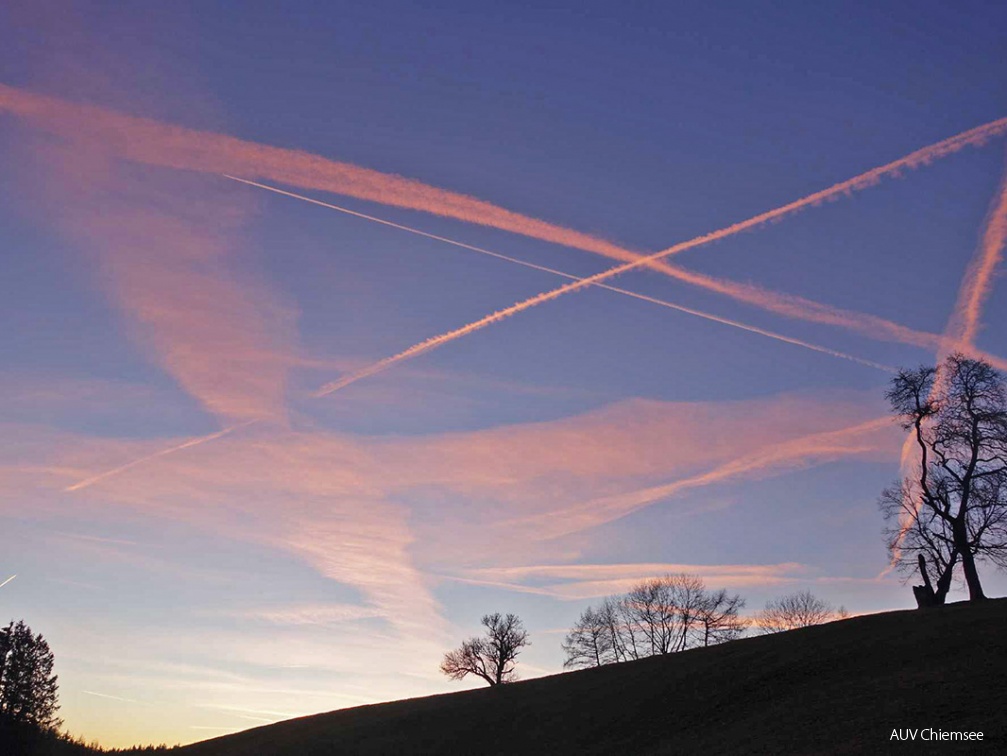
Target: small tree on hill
28	689
491	657
719	618
954	506
796	610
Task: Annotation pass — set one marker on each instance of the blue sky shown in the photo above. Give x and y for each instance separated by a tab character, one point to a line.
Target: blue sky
325	551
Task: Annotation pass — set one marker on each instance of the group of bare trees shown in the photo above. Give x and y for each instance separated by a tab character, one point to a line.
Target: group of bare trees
658	616
802	609
949	510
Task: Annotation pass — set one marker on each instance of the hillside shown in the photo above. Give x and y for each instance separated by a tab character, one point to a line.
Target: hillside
837	688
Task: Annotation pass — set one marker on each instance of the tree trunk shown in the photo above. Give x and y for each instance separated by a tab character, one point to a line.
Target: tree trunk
972	577
925	596
968	561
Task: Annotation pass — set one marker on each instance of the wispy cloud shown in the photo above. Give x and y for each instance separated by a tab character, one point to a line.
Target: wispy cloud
163	247
860	439
311	614
355	509
583	581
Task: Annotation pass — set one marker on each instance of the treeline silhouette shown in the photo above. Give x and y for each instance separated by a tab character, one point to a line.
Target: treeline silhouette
36	741
663	615
658	616
29	700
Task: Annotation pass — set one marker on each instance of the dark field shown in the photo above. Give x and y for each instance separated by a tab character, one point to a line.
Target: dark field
837	688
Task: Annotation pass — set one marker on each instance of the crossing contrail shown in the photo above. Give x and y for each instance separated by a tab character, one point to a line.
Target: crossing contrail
156	143
517	261
961	331
864	180
170	450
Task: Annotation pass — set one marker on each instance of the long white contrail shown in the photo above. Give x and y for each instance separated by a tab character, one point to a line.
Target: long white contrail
862	181
553	271
170	450
155	143
8	580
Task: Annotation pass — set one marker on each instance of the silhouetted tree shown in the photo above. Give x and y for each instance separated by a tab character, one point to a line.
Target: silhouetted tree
719	618
591	641
659	616
954	505
796	610
28	689
491	657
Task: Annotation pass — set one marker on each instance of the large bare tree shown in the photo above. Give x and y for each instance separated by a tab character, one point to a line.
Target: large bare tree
954	506
658	616
491	657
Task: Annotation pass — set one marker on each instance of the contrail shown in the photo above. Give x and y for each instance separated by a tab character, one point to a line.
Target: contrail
978	282
106	695
962	329
545	269
8	580
862	181
178	447
155	143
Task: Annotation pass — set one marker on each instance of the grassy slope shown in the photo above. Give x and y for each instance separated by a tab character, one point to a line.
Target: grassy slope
837	688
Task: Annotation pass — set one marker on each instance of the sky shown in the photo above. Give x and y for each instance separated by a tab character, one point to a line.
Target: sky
271	448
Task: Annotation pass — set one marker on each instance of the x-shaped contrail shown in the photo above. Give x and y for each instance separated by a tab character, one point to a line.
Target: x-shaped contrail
862	181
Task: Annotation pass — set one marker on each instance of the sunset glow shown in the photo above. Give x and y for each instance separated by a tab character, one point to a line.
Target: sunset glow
282	416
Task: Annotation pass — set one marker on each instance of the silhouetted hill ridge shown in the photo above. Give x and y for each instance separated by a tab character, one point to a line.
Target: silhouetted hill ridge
832	689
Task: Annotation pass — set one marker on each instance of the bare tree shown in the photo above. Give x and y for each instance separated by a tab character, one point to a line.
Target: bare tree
28	688
796	610
590	643
659	616
491	657
652	616
954	507
720	619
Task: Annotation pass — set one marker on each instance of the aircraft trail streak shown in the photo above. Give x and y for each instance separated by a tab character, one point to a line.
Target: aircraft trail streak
553	271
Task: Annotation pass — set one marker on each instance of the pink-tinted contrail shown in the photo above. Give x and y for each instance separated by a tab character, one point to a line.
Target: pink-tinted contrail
961	331
178	447
978	282
147	141
517	261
